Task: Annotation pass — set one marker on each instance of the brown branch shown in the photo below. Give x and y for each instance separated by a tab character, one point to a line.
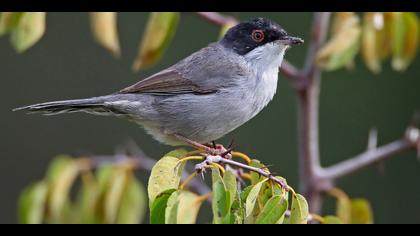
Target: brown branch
371	156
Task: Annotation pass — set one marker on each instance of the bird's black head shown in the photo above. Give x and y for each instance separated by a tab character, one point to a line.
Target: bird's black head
249	35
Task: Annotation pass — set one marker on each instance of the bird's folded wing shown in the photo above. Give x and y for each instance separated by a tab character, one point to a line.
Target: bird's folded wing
168	81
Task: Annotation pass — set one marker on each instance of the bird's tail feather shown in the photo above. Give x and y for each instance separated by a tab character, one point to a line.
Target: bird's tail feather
89	105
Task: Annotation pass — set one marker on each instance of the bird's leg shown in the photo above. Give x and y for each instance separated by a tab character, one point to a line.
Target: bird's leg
213	149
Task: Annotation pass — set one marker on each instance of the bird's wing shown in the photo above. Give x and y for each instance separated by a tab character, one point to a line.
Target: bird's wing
203	72
168	81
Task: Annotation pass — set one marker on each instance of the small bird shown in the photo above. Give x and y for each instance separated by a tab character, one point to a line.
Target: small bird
202	97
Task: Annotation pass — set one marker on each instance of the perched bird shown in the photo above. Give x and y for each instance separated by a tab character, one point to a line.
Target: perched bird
202	97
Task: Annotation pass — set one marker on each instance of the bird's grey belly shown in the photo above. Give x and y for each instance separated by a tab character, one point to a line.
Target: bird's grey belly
202	118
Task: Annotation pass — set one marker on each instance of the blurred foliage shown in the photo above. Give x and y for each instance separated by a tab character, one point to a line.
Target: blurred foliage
74	191
110	193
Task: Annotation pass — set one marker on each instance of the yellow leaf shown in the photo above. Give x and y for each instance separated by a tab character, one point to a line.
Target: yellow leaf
28	31
361	212
405	39
343	46
8	20
160	29
104	28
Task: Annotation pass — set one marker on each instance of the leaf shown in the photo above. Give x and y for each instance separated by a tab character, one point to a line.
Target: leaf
344	209
371	40
133	205
405	39
171	211
188	207
273	211
299	212
104	28
343	46
88	200
157	211
160	29
332	220
255	177
61	175
251	200
178	153
220	204
28	31
32	203
361	212
166	174
231	185
113	194
9	20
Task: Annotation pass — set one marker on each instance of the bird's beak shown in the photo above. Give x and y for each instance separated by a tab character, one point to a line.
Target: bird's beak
290	40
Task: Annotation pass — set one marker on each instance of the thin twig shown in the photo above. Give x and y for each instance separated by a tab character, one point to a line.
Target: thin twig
370	157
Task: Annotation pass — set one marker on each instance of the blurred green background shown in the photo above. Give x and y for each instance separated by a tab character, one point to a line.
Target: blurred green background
67	63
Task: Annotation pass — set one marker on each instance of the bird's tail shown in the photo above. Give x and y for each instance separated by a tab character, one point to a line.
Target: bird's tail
95	106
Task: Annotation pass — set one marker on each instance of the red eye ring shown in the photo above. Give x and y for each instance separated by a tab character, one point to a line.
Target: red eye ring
258	35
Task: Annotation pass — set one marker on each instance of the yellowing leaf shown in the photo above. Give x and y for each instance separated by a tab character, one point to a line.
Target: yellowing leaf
114	194
88	199
361	212
371	40
104	28
157	211
332	220
29	30
160	29
166	174
8	20
132	207
61	175
299	212
171	211
341	49
188	206
32	203
405	39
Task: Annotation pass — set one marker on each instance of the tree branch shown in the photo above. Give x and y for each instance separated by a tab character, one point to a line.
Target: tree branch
371	156
144	162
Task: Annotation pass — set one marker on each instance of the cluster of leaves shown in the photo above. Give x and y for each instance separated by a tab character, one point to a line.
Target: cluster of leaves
377	35
111	195
27	28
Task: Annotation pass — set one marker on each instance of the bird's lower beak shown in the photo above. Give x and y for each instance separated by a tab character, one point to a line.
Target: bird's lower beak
290	40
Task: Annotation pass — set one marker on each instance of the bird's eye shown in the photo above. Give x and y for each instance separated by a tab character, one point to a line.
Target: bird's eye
257	36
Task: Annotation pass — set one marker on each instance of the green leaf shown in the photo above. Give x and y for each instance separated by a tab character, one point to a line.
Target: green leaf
332	220
255	177
160	29
361	212
133	203
171	211
231	185
251	200
8	21
273	211
178	153
61	175
28	31
342	48
221	199
113	194
405	40
103	176
32	203
104	28
299	212
157	212
166	174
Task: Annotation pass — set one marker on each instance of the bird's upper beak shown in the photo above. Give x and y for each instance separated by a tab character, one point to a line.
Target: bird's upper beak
290	40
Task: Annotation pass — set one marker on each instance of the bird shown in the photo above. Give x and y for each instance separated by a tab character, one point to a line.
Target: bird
202	97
